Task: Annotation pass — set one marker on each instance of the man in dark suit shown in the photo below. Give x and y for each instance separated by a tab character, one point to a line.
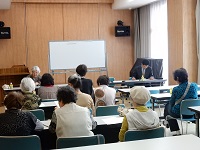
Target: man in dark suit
144	70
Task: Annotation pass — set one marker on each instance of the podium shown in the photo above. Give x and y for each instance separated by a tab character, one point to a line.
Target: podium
14	74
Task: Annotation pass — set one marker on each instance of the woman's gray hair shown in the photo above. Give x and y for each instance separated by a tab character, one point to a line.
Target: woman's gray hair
27	85
36	68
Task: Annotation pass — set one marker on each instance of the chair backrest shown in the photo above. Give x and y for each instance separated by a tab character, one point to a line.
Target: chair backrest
132	135
154	91
80	141
39	113
111	84
188	103
164	91
31	142
107	110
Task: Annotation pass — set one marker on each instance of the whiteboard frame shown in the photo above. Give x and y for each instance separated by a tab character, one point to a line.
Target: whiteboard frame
97	69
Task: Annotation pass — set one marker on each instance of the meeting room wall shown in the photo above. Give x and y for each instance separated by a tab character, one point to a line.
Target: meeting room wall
36	22
182	37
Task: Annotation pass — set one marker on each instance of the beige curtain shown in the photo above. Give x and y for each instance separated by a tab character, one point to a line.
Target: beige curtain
198	37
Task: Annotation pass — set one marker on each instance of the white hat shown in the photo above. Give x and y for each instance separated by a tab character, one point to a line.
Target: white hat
140	95
27	84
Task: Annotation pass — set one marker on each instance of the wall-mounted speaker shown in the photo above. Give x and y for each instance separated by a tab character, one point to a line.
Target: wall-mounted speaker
122	31
5	33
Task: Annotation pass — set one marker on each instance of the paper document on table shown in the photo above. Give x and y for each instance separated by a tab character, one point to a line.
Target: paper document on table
49	104
113	120
46	123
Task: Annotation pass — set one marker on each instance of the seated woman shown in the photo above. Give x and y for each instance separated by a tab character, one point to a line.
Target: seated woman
109	93
35	75
84	100
47	89
70	119
31	100
139	118
184	90
15	122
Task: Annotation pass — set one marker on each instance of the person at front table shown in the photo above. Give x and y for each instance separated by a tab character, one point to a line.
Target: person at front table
144	70
15	122
35	75
139	118
70	119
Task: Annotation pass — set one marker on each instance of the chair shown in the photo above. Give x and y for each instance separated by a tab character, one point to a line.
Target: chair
31	142
149	104
39	113
111	84
185	111
132	135
80	141
107	110
157	102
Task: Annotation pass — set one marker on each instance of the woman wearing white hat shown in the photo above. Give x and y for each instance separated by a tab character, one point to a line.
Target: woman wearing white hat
139	118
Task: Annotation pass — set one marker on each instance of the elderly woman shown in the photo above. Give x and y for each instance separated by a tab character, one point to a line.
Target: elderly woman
47	89
139	118
70	119
184	90
15	122
31	100
35	75
83	99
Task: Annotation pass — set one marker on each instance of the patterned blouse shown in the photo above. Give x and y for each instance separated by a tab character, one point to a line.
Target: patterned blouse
177	93
15	122
31	101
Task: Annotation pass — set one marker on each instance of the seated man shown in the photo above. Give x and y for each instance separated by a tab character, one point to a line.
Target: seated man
144	70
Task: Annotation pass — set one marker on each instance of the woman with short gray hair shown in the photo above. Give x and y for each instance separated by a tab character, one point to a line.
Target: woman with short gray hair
35	75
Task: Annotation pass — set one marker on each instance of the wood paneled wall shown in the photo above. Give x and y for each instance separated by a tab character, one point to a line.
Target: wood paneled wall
182	37
33	25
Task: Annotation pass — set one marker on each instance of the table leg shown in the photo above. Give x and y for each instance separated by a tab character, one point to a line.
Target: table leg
197	124
153	101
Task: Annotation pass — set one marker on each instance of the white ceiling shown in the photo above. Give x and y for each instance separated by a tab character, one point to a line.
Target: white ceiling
130	4
5	4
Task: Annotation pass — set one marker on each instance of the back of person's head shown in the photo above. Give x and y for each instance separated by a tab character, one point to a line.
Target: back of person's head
75	81
66	94
47	79
13	100
27	85
140	95
103	80
81	70
36	68
145	62
180	75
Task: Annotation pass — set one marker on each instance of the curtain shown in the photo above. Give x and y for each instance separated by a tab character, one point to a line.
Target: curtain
198	38
159	33
137	43
145	31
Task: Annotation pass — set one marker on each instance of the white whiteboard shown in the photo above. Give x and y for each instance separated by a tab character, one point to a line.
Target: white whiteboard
69	54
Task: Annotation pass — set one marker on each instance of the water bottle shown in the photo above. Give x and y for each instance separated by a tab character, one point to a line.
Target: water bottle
11	85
